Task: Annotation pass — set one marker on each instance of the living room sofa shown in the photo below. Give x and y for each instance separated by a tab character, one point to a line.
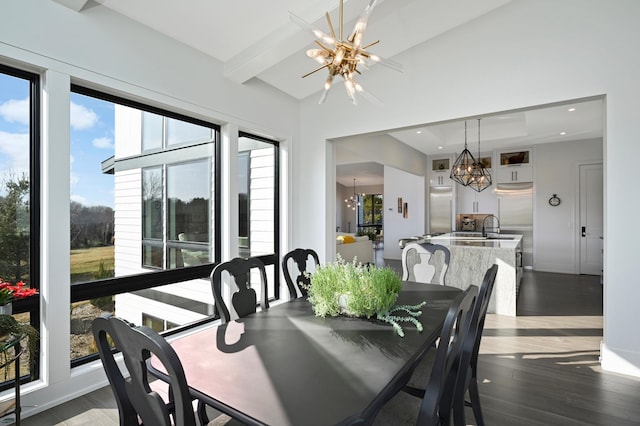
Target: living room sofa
349	246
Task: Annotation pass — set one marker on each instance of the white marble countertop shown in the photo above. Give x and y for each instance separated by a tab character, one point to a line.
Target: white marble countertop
475	239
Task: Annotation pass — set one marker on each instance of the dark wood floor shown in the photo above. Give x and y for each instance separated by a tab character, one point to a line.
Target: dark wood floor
540	368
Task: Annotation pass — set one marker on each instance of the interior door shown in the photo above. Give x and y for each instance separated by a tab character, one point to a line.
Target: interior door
591	223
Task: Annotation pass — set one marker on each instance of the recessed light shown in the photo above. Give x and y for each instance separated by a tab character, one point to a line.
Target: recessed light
440	147
563	133
419	131
571	109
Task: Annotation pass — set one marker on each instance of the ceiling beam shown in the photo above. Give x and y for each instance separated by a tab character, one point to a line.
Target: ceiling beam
76	5
281	43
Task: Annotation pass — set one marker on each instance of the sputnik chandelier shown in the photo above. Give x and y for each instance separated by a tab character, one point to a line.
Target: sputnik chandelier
352	201
343	56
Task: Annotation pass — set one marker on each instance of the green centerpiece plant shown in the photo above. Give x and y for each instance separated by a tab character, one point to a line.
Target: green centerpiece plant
356	290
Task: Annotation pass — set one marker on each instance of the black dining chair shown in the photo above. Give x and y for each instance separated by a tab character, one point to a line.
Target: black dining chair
244	299
468	377
138	402
298	258
425	262
436	406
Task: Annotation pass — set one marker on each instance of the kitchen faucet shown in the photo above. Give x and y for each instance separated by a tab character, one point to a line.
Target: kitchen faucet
495	229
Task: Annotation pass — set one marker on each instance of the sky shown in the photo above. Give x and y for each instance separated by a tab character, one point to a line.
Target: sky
92	135
92	142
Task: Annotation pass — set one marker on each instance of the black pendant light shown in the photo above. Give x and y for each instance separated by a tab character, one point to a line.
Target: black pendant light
480	176
462	170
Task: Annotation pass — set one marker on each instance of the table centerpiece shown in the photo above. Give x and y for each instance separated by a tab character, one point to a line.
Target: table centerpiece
356	290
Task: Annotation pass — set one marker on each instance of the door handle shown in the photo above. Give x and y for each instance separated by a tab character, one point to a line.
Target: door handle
584	231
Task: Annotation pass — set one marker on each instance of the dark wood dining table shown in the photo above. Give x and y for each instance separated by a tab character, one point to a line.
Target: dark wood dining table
285	366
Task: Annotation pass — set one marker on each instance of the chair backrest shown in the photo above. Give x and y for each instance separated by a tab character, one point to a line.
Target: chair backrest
471	344
135	398
437	402
299	258
244	299
425	262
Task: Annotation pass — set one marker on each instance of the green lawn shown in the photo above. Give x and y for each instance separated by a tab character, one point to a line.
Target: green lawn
85	263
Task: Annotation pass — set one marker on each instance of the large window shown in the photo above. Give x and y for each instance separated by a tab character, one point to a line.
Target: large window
143	212
19	195
258	209
370	210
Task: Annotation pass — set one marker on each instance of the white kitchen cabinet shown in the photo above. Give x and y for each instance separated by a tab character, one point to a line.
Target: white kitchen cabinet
509	174
514	166
473	202
439	171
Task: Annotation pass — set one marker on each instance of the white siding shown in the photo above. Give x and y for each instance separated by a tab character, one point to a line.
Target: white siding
262	189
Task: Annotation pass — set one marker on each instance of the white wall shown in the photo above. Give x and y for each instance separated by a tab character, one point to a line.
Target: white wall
411	188
555	229
524	54
100	49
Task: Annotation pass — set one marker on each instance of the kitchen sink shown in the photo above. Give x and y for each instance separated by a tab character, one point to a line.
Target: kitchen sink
499	237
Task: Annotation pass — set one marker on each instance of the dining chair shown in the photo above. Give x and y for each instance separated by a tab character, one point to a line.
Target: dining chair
137	400
425	262
436	405
244	299
468	377
298	258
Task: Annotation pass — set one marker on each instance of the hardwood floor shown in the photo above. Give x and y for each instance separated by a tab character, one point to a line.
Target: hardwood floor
540	368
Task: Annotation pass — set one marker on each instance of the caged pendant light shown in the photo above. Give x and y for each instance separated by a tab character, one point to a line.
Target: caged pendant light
462	170
480	176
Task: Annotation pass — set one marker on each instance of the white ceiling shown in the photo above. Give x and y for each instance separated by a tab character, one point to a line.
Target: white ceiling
257	39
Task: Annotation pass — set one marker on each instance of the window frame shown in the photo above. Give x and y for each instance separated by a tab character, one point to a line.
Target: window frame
274	258
111	286
31	305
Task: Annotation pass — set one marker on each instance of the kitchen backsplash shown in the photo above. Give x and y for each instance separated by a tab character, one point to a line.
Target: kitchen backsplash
470	222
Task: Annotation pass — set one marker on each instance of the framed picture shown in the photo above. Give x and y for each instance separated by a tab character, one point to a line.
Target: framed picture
399	204
405	213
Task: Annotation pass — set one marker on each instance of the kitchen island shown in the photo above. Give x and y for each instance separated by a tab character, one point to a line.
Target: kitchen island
471	256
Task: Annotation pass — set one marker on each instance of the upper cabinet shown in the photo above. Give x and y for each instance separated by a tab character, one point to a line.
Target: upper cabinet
439	171
514	166
472	202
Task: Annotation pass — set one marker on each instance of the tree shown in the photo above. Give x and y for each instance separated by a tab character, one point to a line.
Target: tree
14	229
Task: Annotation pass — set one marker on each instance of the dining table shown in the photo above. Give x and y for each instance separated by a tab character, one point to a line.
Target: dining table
286	366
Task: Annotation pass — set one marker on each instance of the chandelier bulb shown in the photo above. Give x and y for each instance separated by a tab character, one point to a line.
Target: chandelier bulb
327	84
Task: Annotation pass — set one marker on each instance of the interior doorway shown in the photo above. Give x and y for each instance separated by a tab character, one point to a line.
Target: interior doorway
591	229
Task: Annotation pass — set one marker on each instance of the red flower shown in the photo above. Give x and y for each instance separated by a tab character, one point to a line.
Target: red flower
9	292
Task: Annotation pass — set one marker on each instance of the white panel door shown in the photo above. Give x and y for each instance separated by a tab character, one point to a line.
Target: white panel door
591	227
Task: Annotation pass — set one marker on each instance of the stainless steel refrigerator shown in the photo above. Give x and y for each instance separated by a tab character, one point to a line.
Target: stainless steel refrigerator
440	209
515	212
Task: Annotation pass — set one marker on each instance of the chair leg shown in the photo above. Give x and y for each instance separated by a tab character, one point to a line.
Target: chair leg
202	413
474	396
